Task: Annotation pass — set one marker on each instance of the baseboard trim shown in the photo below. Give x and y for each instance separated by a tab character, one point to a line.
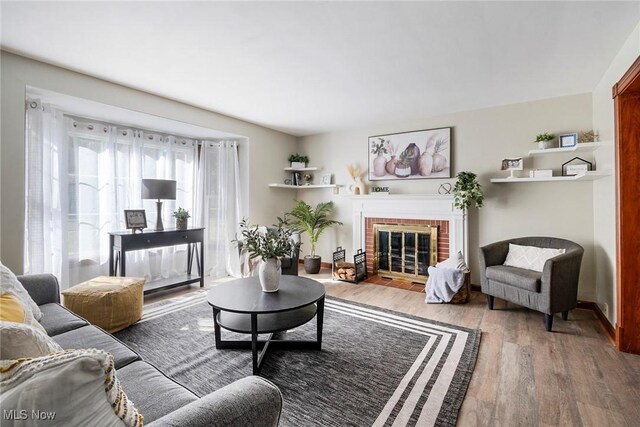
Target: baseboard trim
609	329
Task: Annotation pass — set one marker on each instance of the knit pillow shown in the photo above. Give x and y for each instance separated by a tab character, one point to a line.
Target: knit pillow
530	257
20	340
76	387
10	283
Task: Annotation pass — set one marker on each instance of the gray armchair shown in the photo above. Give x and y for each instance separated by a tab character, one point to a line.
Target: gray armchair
554	290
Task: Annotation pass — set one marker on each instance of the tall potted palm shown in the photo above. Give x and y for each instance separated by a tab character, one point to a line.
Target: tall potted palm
313	221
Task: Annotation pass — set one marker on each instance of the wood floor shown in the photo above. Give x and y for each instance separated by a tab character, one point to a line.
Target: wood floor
524	376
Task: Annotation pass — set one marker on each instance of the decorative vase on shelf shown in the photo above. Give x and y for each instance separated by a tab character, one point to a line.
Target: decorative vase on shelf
298	165
269	272
181	224
543	145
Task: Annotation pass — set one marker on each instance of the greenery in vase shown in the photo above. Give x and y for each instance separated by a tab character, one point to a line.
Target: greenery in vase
379	147
467	191
544	137
298	158
267	243
314	221
181	214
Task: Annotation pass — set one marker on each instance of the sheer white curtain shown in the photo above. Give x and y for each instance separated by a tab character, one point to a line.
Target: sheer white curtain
168	157
82	175
219	206
46	202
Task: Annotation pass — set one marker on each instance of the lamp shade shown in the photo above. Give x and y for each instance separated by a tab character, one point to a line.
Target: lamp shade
160	189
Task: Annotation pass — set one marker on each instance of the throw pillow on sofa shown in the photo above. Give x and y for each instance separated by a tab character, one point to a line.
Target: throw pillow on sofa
20	340
530	257
10	283
79	386
13	309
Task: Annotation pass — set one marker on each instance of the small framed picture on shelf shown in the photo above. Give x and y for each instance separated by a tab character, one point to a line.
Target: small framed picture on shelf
513	164
568	140
576	166
325	179
135	219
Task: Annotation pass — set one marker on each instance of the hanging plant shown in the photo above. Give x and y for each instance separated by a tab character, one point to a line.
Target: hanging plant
467	191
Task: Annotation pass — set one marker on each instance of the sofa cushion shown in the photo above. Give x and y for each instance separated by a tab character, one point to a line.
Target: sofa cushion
155	395
528	280
56	319
92	337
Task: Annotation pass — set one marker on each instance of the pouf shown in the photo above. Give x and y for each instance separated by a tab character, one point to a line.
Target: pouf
112	303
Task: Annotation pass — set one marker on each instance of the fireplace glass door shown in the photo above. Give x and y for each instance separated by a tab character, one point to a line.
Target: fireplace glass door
405	250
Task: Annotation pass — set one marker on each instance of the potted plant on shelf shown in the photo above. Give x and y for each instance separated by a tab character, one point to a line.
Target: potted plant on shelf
182	217
270	244
467	191
313	221
298	161
545	140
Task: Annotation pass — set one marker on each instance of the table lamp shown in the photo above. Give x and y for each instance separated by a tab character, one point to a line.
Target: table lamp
158	189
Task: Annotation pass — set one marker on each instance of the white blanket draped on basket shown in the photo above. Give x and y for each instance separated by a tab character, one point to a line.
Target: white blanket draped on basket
443	284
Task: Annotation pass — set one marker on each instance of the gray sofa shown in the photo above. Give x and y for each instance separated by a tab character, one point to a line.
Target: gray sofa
554	290
251	401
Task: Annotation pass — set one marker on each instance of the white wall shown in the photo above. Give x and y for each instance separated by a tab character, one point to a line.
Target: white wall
481	139
604	207
268	149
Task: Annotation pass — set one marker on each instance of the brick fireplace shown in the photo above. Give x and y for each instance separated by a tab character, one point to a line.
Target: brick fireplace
409	210
442	236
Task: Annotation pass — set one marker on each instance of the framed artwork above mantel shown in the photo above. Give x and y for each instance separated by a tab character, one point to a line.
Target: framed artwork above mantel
421	154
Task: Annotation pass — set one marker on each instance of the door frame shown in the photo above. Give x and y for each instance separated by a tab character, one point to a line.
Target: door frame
626	96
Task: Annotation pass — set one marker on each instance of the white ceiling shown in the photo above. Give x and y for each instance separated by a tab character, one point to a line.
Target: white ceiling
312	67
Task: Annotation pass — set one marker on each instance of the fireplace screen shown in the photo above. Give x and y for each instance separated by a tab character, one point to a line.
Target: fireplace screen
405	250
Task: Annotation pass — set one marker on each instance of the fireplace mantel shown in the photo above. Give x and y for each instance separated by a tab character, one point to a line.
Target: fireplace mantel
411	206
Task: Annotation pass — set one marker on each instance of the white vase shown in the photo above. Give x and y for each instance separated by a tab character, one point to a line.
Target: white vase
543	145
269	273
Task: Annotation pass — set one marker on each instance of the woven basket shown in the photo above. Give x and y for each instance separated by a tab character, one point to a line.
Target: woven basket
462	296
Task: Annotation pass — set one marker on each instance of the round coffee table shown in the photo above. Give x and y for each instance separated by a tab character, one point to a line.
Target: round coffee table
241	306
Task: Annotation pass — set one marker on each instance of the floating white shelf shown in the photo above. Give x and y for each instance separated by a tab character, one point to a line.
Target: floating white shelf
302	169
302	187
589	176
584	147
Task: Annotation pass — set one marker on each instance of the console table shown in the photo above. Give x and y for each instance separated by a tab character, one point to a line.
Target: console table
121	242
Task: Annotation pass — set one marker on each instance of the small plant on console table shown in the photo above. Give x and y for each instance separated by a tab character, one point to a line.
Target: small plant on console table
182	217
313	221
467	191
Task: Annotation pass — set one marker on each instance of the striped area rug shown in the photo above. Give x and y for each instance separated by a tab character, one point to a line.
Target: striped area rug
377	367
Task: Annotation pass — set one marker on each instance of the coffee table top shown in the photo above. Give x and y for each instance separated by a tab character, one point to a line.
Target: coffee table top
246	296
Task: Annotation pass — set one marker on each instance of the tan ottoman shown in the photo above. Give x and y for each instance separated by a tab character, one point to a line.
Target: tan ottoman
112	303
